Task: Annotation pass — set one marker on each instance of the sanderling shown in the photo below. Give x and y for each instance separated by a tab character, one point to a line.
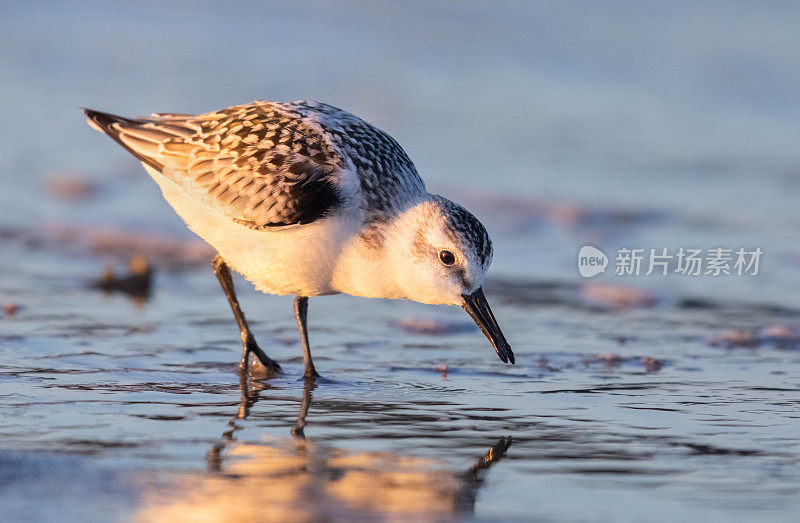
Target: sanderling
306	199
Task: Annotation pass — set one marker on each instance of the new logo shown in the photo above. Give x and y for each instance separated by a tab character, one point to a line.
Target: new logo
591	261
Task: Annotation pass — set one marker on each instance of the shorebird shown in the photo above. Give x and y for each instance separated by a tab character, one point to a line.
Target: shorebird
306	199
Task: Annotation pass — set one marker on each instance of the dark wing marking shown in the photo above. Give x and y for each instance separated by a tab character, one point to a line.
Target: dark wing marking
386	174
258	164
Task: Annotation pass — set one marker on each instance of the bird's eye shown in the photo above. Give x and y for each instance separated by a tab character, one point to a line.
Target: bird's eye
447	257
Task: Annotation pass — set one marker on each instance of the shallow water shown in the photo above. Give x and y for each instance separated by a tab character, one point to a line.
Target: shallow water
113	408
132	398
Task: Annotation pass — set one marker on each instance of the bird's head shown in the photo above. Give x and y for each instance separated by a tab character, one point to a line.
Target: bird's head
440	255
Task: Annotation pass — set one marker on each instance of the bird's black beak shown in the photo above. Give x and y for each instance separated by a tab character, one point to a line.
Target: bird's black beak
478	308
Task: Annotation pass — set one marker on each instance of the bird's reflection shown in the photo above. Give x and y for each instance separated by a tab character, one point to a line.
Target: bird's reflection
297	479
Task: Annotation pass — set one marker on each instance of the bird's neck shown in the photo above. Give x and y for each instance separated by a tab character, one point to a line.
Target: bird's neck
370	264
364	267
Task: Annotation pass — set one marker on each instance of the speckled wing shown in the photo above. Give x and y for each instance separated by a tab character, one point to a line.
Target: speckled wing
258	164
386	175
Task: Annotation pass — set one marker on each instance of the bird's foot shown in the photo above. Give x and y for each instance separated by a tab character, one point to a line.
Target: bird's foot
260	369
256	362
318	380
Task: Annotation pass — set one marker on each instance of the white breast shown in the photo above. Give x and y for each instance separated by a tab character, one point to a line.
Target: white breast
297	260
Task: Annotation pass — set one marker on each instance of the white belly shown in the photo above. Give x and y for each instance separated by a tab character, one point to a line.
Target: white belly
297	260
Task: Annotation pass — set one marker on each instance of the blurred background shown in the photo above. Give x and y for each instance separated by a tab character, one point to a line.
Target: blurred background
560	124
685	110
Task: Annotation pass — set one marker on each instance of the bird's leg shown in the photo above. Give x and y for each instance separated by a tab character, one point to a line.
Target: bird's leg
301	314
248	341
